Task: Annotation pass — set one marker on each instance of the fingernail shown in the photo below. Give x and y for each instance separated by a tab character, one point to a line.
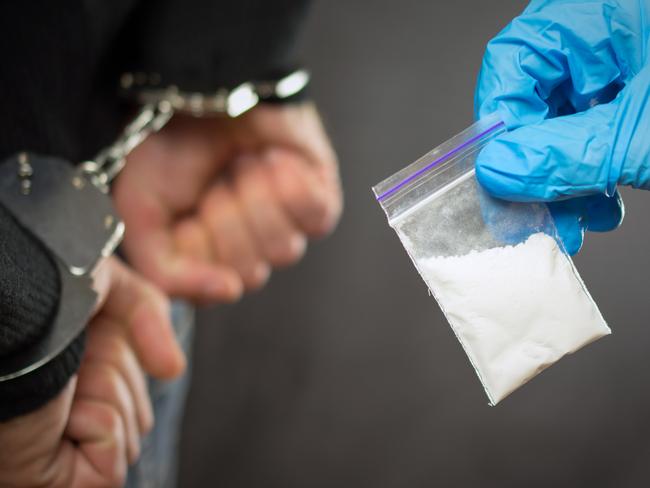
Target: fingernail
169	359
216	291
223	290
297	245
261	273
213	288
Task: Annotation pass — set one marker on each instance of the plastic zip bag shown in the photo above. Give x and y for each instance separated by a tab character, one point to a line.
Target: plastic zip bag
497	269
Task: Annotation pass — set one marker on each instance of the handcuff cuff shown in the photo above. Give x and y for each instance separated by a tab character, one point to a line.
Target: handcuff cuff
69	210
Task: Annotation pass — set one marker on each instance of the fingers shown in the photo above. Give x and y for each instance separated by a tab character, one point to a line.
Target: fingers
31	453
99	432
70	442
112	410
604	213
107	344
312	200
193	241
546	56
570	224
596	213
216	229
305	168
278	240
144	313
150	212
262	215
556	159
152	250
102	382
284	187
232	240
157	257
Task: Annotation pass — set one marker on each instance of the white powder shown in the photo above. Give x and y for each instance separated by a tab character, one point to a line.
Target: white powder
515	309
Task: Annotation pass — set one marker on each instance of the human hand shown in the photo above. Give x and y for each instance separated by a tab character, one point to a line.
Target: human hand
91	431
571	82
212	205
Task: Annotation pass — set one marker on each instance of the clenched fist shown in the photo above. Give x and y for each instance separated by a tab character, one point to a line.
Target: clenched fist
212	205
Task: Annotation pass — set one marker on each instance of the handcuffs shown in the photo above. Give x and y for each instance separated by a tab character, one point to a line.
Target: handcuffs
69	210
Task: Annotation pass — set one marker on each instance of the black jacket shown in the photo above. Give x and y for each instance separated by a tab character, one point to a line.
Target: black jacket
59	89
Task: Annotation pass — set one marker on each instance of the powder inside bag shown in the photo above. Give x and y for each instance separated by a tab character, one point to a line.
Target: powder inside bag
515	309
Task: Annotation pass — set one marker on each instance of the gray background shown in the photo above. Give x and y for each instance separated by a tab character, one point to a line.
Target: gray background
343	372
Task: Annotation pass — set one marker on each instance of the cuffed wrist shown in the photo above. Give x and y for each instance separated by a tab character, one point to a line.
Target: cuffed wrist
287	86
27	393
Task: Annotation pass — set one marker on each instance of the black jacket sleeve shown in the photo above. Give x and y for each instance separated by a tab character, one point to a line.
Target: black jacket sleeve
201	45
29	295
50	105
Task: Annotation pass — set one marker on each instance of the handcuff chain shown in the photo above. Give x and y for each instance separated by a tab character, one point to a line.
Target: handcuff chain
111	160
158	106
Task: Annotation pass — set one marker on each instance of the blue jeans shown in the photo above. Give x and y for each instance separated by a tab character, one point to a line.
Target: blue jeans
157	466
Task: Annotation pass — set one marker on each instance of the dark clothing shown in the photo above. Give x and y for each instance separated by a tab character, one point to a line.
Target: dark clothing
59	87
29	293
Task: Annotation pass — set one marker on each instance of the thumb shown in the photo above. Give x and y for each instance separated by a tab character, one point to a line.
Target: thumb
595	213
554	159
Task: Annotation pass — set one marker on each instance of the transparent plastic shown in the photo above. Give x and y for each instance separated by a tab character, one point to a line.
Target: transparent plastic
497	269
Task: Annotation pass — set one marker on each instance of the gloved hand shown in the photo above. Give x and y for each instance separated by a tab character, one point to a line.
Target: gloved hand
571	81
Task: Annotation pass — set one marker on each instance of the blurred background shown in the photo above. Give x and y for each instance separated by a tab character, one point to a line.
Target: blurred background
343	372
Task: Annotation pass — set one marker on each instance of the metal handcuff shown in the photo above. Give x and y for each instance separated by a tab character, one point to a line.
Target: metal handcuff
69	210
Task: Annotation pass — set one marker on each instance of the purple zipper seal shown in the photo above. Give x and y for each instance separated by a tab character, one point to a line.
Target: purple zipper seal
436	162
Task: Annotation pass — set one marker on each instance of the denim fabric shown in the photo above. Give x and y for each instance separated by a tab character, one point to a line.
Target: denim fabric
157	465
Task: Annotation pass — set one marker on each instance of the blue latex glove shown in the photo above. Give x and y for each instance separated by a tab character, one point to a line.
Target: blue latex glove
571	81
